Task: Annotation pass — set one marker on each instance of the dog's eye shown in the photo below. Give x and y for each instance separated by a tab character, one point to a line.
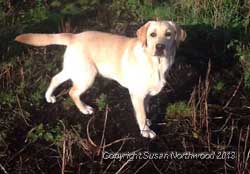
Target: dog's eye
167	34
153	34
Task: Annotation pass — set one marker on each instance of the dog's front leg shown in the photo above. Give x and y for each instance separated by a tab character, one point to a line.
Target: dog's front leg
138	103
147	108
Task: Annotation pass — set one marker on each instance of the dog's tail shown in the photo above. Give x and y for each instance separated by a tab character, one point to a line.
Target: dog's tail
45	39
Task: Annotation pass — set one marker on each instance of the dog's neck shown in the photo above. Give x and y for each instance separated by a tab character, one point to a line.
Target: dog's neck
161	65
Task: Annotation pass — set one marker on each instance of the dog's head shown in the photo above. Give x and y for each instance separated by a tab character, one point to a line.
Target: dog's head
159	38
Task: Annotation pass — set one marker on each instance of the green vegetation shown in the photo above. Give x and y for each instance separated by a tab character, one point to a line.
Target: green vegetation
207	109
53	135
7	98
178	110
243	51
102	102
219	86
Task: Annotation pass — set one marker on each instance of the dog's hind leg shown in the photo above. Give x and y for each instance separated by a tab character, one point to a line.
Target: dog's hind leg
75	93
79	87
55	82
81	82
81	71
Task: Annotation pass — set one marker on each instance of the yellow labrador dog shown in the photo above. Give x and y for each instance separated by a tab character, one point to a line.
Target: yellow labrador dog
138	64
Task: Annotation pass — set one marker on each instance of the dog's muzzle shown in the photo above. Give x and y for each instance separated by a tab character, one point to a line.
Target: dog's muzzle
159	49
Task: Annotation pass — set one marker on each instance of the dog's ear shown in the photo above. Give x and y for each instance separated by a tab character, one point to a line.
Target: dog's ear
142	33
180	33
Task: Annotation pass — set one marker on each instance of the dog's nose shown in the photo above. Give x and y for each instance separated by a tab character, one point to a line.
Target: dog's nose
160	46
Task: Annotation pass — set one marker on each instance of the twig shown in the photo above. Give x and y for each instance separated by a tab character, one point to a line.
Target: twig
104	129
120	148
158	170
102	140
117	141
22	114
3	169
124	165
103	150
235	92
247	159
141	167
89	139
109	166
63	149
129	160
222	127
63	92
232	133
245	153
84	143
63	156
192	102
17	153
207	89
238	154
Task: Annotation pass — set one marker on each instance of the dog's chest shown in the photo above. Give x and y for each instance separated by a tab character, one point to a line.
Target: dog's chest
157	76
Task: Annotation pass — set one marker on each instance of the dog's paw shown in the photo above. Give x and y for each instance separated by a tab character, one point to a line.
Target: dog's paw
148	122
148	133
50	99
87	110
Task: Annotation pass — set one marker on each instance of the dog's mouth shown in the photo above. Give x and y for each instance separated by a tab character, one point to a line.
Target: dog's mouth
159	53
